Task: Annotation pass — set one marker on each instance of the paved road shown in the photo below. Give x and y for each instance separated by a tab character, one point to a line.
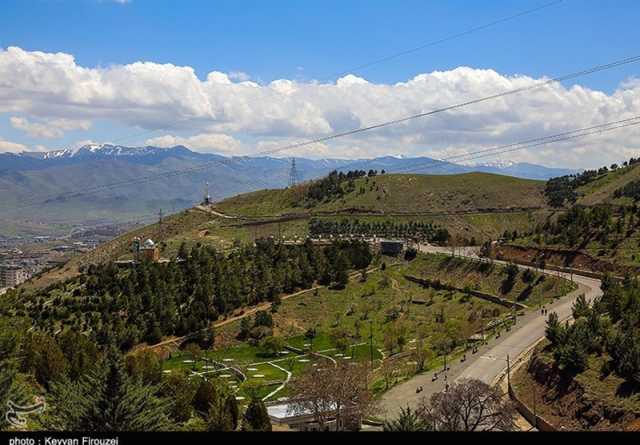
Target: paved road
490	361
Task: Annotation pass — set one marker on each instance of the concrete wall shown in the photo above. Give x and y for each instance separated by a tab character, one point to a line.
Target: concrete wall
537	421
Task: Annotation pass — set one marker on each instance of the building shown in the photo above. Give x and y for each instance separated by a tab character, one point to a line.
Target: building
391	247
280	414
12	276
150	251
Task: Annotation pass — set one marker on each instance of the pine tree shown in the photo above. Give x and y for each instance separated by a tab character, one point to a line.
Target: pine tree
341	275
256	417
408	421
10	388
106	399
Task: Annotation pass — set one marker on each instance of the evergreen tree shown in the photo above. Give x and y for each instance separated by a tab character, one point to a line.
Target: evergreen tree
554	330
256	417
408	421
10	388
106	399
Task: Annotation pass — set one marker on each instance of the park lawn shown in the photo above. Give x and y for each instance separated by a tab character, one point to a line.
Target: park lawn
376	306
384	303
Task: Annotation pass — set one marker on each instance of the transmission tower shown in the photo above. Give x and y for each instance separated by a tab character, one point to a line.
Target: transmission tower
294	178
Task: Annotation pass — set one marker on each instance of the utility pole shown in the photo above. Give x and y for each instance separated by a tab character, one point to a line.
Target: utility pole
160	218
371	343
508	373
535	406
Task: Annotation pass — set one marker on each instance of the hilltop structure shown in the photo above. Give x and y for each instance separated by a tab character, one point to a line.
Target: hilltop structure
147	250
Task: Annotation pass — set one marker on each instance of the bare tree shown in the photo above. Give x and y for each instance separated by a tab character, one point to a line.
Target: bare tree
341	393
388	371
470	405
422	353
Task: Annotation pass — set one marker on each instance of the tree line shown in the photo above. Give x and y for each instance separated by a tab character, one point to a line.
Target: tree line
580	225
98	389
414	229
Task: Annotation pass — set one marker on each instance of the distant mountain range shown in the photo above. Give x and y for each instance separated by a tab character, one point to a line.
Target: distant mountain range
112	183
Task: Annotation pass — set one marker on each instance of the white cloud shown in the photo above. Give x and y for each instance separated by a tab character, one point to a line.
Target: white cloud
11	147
224	108
239	76
207	142
49	128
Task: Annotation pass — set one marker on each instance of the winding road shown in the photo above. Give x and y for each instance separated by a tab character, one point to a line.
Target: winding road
491	360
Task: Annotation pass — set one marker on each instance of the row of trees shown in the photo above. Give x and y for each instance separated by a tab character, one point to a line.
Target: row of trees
610	326
152	300
354	227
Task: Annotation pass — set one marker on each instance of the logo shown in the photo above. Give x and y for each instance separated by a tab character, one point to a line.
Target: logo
17	413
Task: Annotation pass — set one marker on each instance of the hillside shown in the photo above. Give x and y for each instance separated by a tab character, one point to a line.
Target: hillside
75	186
597	227
458	203
400	193
603	189
586	375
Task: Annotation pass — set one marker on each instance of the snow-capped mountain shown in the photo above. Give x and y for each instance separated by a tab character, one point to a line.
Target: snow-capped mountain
500	163
107	150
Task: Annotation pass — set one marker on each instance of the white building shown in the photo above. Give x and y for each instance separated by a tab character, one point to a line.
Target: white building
12	276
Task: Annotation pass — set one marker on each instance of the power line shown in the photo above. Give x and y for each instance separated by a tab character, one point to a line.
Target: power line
367	65
531	143
535	86
448	38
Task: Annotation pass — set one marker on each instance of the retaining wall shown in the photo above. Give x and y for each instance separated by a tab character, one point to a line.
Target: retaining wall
475	293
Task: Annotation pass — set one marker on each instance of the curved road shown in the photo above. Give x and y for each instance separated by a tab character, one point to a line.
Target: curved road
490	361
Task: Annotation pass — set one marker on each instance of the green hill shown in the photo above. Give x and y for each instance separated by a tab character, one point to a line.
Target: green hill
469	206
603	189
398	193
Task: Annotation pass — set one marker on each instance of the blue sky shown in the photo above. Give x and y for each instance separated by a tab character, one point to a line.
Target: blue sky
304	41
274	39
